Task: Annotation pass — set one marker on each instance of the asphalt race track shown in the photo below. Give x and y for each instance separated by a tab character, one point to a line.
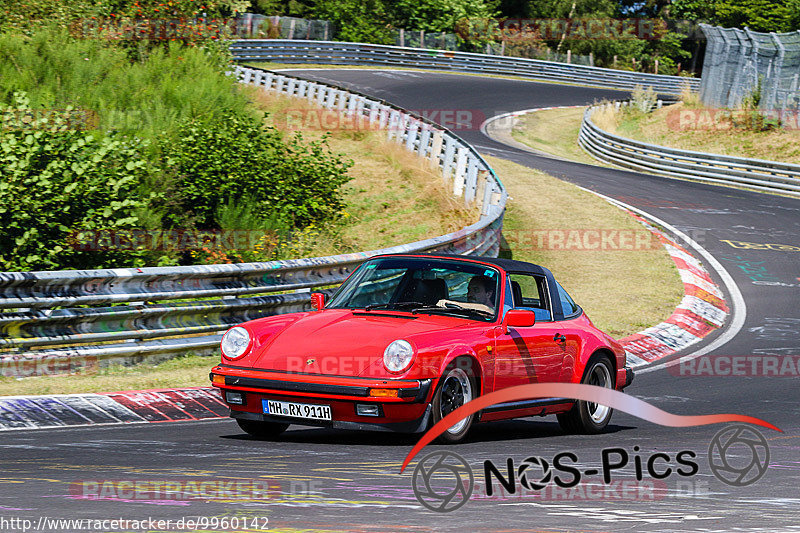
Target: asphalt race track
324	480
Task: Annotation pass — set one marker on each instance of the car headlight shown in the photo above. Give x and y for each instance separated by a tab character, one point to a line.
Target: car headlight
235	342
398	356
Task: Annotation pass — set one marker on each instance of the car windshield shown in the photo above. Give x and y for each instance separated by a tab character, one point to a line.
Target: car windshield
421	285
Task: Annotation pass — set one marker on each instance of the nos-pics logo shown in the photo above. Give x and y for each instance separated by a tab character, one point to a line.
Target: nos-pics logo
443	481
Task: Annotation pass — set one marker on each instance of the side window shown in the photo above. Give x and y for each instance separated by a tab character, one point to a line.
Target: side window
568	306
530	292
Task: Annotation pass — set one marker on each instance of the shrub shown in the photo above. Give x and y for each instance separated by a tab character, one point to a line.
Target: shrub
58	182
643	99
234	158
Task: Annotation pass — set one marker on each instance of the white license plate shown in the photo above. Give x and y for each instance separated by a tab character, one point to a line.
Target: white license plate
297	410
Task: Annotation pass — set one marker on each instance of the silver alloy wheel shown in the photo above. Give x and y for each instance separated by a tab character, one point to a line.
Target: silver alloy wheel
456	391
600	377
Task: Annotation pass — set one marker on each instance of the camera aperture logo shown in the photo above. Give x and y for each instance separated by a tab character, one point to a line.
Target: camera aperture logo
444	481
738	455
724	453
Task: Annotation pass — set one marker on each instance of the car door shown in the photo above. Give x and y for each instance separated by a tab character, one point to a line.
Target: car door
532	354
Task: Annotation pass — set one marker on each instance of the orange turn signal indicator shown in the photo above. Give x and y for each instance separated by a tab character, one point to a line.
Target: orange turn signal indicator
218	379
384	393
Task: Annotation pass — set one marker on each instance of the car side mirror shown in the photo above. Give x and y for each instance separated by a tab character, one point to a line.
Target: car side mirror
317	301
519	318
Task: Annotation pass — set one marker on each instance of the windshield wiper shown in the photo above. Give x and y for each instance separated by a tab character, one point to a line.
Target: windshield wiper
453	309
395	305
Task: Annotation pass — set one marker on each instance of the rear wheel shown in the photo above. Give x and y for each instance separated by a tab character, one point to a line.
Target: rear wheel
588	417
456	388
261	430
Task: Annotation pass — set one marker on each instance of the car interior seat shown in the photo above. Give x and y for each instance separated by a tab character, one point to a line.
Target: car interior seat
516	291
426	291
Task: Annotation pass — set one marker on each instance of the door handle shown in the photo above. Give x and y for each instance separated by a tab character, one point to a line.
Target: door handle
559	338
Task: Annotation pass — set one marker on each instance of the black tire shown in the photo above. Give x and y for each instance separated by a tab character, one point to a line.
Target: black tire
586	417
261	430
456	387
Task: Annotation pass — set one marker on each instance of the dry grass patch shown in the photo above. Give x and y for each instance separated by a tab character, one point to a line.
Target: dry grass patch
189	371
606	118
704	130
394	197
554	131
623	291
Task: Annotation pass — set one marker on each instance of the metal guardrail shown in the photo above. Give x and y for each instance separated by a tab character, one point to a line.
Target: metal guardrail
757	174
55	322
340	53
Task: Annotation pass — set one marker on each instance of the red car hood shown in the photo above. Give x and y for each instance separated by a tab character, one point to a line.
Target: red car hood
343	342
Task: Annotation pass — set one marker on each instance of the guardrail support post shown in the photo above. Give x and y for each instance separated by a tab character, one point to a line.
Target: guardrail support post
402	127
384	116
436	150
282	83
394	123
424	140
342	98
480	189
461	172
373	111
411	139
472	180
487	198
449	157
353	103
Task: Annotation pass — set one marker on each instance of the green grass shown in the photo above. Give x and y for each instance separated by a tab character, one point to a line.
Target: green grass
144	97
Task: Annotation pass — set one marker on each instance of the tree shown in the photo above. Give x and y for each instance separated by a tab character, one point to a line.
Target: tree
438	15
356	20
758	15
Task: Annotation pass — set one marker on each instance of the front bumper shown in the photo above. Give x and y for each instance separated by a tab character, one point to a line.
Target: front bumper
629	375
407	410
417	425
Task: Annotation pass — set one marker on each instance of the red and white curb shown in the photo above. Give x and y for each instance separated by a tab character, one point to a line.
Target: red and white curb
701	311
131	407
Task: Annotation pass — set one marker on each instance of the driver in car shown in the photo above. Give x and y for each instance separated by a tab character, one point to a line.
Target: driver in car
480	295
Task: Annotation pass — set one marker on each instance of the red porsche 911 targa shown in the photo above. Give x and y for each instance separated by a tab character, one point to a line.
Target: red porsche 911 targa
409	338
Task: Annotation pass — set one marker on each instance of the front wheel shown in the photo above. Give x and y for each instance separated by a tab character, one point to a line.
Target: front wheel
456	388
261	430
588	417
